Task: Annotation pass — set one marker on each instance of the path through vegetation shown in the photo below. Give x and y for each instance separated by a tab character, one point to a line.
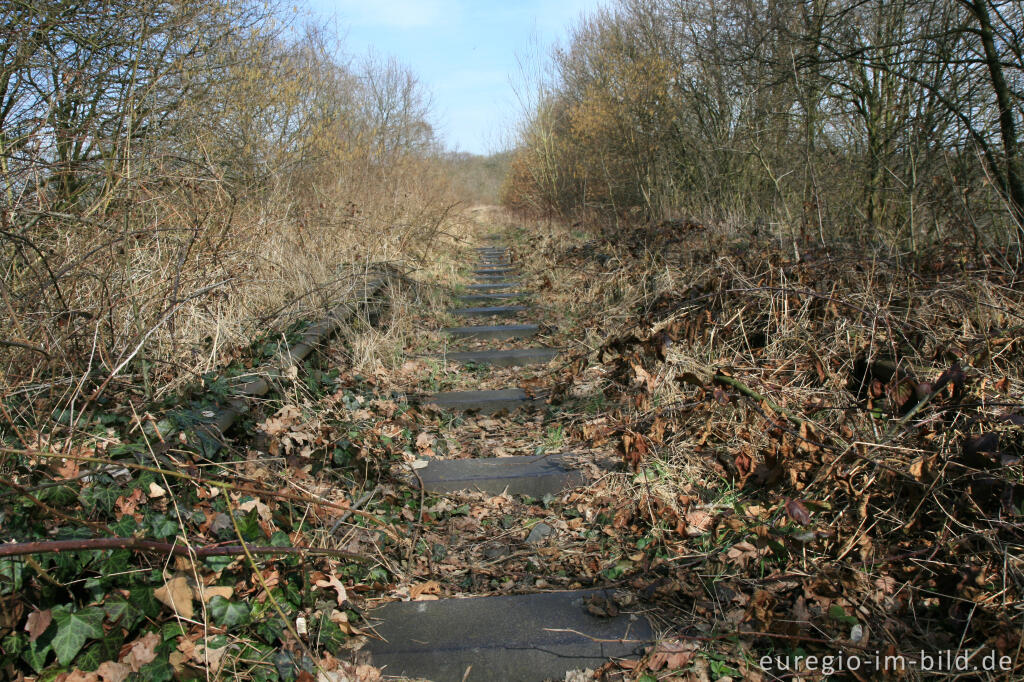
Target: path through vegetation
547	630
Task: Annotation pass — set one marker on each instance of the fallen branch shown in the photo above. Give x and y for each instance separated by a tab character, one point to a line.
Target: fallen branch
26	346
751	393
156	547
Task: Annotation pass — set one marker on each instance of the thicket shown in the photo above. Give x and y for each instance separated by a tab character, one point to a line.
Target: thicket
177	177
478	178
183	186
889	121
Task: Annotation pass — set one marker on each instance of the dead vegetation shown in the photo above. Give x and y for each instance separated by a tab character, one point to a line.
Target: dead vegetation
828	449
184	189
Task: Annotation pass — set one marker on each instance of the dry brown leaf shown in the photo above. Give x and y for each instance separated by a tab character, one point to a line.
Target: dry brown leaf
670	654
427	591
36	623
644	377
698	522
424	444
332	581
177	595
340	618
68	469
79	676
143	650
129	504
205	594
282	421
109	671
740	553
349	672
211	659
177	661
261	509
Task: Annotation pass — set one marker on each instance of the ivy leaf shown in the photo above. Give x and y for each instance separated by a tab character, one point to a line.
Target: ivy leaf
123	612
159	670
99	498
163	527
143	599
73	629
838	613
229	613
35	654
104	650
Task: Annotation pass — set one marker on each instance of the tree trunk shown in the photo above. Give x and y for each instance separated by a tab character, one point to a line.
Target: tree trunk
1014	175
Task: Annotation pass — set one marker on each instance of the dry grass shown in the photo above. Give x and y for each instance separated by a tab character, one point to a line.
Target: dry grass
189	284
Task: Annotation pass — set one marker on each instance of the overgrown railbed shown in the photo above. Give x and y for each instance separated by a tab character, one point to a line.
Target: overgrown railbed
828	443
142	542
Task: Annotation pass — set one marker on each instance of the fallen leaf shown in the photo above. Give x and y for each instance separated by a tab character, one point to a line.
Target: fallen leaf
129	504
332	581
262	510
644	377
156	491
68	469
177	661
424	591
177	595
205	594
424	441
340	618
282	421
209	658
698	522
109	671
798	512
670	654
36	623
740	552
602	607
143	650
349	672
744	464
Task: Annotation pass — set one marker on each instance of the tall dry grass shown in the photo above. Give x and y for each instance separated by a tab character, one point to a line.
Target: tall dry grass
266	197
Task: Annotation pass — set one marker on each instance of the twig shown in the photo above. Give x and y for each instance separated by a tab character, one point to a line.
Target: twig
47	508
266	589
720	378
26	346
419	516
355	506
223	485
157	547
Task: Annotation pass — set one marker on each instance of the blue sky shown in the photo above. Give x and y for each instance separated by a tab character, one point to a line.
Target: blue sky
464	51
